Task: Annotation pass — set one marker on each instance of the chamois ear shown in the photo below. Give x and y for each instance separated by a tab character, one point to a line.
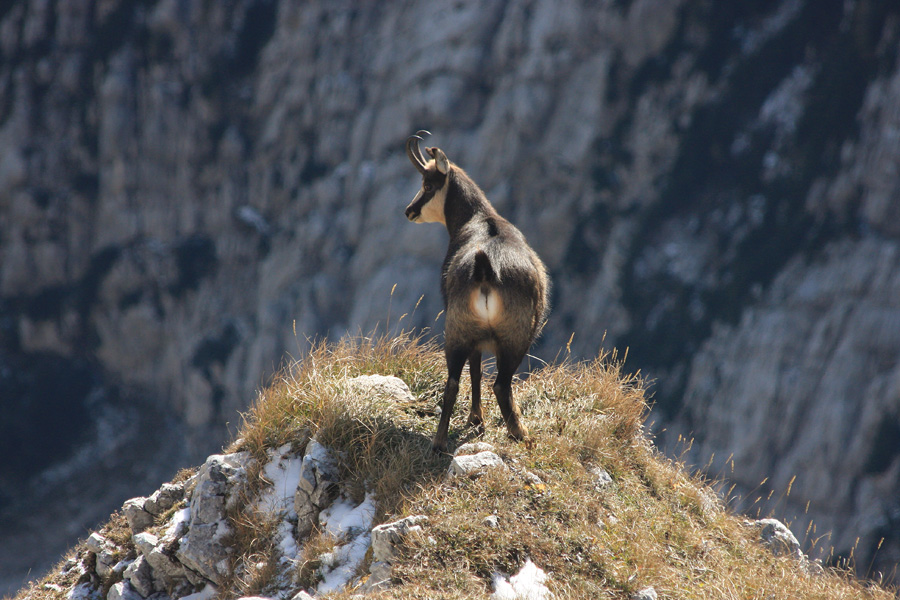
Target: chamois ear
440	160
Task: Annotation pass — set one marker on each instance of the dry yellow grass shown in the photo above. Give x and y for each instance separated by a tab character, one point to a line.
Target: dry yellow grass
384	446
653	525
317	544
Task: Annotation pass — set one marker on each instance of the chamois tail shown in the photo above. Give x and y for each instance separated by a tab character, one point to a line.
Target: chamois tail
483	271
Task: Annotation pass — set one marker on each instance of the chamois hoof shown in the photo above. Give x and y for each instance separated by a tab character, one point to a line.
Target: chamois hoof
476	421
517	432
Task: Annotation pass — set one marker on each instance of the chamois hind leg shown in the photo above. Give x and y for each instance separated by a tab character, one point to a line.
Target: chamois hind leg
456	360
476	416
506	368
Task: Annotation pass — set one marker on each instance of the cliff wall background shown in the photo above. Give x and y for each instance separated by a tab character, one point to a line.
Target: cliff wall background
190	190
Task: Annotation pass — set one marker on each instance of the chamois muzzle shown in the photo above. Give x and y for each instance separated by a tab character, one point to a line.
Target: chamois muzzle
413	151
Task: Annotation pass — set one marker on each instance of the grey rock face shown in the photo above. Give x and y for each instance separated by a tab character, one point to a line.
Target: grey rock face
84	591
123	591
317	487
145	542
778	538
138	518
386	537
188	550
382	385
214	488
647	593
385	541
104	552
167	572
164	498
473	448
780	541
602	478
96	543
472	465
140	575
810	374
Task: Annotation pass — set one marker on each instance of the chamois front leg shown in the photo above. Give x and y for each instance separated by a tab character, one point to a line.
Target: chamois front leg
455	363
476	416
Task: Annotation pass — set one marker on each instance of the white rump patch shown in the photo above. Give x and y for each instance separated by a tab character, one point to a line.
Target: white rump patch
486	306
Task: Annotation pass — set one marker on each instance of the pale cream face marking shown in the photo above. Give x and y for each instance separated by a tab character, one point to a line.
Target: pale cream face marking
433	212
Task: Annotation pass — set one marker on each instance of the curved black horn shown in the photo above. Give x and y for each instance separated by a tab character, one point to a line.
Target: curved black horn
413	152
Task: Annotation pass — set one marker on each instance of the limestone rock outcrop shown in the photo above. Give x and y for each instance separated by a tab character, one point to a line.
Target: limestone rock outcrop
186	549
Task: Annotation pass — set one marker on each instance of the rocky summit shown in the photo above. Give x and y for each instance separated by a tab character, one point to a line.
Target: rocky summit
332	490
190	192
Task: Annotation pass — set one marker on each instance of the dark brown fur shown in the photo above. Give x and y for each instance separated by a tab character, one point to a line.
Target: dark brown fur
487	260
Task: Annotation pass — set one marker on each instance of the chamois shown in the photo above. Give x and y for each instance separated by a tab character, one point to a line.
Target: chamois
495	287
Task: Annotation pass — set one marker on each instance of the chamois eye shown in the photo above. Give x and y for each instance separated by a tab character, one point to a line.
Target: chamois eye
428	187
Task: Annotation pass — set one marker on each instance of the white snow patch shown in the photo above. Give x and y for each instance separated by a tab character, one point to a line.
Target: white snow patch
83	591
205	594
527	584
283	471
349	523
346	560
286	542
344	520
178	523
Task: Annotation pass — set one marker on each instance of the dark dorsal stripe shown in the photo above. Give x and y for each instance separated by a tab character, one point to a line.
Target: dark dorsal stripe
492	227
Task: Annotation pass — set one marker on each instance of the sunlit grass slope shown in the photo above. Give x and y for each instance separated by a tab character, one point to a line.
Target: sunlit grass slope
587	498
653	525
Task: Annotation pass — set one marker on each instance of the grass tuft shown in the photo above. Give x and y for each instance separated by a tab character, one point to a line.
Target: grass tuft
319	543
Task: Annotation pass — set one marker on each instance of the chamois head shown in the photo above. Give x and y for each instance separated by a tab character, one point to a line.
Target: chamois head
428	205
